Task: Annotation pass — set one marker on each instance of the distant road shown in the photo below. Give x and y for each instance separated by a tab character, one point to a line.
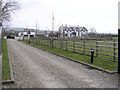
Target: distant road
34	67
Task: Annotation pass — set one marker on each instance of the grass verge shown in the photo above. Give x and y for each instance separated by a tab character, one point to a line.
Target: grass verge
104	64
5	62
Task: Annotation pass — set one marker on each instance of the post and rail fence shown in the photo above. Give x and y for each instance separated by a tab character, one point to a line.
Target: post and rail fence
104	49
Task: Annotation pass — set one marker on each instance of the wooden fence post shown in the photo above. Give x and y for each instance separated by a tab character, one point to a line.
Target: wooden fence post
40	41
73	45
114	45
96	48
66	45
52	43
84	47
43	41
55	43
36	40
62	43
47	41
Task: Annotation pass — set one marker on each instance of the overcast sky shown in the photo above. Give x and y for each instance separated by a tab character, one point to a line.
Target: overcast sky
99	14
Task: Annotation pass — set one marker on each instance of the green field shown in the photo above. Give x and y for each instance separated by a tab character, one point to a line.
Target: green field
5	62
115	38
102	63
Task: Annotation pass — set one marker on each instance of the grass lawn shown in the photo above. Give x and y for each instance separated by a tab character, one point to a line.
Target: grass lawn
105	64
5	62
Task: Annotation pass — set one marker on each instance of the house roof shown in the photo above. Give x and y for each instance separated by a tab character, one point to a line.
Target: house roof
72	28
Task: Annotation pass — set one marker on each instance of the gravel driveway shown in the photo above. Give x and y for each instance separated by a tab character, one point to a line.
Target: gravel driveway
35	68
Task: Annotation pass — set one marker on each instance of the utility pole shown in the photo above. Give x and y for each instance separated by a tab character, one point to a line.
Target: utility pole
36	29
52	23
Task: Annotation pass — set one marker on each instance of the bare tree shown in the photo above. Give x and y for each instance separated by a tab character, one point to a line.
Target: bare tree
7	8
93	30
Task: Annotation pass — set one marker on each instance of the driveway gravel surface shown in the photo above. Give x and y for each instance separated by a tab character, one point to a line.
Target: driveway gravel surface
35	68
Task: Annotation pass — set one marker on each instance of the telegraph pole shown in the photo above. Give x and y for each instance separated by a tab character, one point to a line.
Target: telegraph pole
36	28
52	23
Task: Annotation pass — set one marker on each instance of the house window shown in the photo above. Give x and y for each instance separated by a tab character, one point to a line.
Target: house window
28	31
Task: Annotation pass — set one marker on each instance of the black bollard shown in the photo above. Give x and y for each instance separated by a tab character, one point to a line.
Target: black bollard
92	55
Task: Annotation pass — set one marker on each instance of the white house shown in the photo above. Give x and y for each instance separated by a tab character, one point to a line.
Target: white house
73	31
26	33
